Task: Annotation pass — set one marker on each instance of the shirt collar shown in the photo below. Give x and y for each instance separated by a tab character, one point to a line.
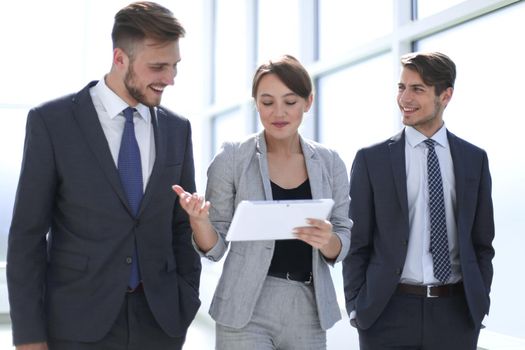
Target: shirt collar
414	137
114	105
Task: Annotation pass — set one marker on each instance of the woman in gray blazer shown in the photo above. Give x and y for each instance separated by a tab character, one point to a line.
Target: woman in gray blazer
274	294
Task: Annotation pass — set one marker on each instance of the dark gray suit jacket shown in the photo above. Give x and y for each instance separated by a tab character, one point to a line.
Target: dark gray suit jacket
72	229
380	234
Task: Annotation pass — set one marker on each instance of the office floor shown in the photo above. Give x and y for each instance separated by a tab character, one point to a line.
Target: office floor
340	337
197	339
201	336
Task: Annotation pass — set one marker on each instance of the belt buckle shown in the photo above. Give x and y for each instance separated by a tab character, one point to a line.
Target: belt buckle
307	282
288	276
429	293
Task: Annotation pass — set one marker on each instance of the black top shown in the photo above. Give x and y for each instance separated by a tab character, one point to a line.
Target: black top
292	255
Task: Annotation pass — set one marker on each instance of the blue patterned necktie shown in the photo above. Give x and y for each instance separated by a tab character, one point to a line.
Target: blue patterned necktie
130	171
438	222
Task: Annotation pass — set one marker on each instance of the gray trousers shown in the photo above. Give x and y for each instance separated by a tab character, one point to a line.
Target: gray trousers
285	318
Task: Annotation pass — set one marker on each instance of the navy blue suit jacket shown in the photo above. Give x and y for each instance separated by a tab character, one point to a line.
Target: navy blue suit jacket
73	231
379	209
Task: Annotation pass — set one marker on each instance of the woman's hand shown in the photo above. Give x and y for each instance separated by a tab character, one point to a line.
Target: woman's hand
319	235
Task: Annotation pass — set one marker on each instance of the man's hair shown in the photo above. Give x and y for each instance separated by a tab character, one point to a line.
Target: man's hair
141	20
290	71
436	69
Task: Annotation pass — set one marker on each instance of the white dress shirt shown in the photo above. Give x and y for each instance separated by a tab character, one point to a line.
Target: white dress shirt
109	107
418	267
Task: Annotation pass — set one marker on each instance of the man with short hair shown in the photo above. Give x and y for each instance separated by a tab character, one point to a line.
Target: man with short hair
419	270
100	253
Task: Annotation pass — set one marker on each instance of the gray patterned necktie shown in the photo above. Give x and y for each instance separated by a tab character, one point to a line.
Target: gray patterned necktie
438	223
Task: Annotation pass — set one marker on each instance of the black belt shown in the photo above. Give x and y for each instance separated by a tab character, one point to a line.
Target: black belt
305	277
446	290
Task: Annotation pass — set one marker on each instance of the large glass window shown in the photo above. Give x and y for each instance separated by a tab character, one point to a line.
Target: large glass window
344	25
38	52
427	8
228	126
231	63
357	106
13	121
487	110
279	29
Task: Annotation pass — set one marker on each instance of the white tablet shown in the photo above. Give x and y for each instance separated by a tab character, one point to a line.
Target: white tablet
269	220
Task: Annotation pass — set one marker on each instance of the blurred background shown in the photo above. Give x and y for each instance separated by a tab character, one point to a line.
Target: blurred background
351	48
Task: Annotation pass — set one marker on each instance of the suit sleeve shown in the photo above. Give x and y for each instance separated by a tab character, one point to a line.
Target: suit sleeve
188	261
27	247
221	192
362	213
483	228
340	222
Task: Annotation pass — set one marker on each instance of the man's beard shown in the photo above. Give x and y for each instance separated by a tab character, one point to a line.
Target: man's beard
134	91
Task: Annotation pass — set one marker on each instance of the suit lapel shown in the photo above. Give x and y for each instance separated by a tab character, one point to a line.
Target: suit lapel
315	176
397	160
262	157
457	154
159	130
314	170
87	118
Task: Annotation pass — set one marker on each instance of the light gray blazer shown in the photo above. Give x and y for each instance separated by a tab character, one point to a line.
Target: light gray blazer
240	172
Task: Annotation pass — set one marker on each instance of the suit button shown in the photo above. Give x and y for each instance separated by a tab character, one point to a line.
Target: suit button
405	242
129	260
398	271
137	223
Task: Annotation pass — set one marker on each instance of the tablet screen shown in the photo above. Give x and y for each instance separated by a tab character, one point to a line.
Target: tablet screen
270	220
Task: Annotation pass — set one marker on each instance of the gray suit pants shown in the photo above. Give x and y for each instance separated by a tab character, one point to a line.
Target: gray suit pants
285	318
